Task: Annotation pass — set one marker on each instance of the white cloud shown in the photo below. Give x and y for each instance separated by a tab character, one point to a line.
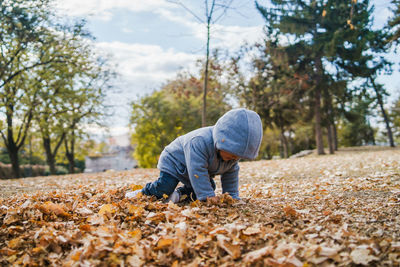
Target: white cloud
102	8
228	37
142	68
142	65
101	133
232	37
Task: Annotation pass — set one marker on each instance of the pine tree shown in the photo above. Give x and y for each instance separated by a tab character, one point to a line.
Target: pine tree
326	35
394	22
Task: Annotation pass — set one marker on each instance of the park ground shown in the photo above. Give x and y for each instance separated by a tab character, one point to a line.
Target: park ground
331	210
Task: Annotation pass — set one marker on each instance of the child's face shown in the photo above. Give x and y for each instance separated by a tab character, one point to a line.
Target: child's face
226	156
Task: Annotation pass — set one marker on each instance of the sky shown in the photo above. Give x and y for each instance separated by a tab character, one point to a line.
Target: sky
150	41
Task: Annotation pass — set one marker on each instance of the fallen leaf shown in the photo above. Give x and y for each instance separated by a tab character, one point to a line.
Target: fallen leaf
106	208
362	256
257	254
290	212
164	242
226	244
49	207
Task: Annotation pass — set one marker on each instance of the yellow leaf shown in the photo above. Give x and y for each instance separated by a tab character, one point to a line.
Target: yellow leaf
134	187
165	196
135	210
106	208
195	203
37	250
324	13
12	258
164	242
136	234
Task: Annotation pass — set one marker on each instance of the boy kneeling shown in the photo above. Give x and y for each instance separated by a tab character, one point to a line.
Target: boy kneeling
196	157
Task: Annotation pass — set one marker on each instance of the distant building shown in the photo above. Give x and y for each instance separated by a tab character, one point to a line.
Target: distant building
118	158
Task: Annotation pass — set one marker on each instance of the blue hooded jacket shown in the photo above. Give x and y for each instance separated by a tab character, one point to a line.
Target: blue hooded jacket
193	158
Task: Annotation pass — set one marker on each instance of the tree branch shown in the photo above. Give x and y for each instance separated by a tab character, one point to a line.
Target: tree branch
187	9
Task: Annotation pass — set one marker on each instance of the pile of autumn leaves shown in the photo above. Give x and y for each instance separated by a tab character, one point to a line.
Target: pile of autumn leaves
332	220
103	228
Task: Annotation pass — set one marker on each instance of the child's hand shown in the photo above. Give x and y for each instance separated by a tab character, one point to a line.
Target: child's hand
213	200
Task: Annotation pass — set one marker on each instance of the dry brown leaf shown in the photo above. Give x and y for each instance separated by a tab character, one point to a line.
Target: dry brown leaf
257	254
201	240
362	256
252	230
226	244
49	207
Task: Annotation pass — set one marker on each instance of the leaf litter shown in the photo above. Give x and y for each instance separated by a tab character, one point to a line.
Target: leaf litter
335	210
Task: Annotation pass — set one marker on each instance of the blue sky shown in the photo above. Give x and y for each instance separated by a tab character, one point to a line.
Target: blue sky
151	40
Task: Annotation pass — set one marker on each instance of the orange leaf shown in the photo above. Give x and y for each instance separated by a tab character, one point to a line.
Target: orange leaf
14	243
195	203
85	227
49	207
164	242
76	256
327	212
289	211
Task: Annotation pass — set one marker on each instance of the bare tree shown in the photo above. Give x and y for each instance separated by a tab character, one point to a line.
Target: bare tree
214	10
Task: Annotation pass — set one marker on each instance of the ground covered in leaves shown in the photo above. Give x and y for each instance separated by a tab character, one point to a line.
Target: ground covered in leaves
333	210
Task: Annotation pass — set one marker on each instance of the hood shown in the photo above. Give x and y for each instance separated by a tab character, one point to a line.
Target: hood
239	132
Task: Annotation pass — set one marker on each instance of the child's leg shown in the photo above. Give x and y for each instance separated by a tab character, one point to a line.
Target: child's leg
189	192
165	184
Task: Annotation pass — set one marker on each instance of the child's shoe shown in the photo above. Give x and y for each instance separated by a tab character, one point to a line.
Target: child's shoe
175	197
133	194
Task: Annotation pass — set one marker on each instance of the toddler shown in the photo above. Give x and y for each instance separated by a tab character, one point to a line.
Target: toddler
198	156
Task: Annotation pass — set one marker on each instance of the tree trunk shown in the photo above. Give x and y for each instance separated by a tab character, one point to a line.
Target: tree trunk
11	145
204	111
285	146
317	108
70	152
49	155
330	139
318	129
71	163
330	120
13	154
335	139
385	117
